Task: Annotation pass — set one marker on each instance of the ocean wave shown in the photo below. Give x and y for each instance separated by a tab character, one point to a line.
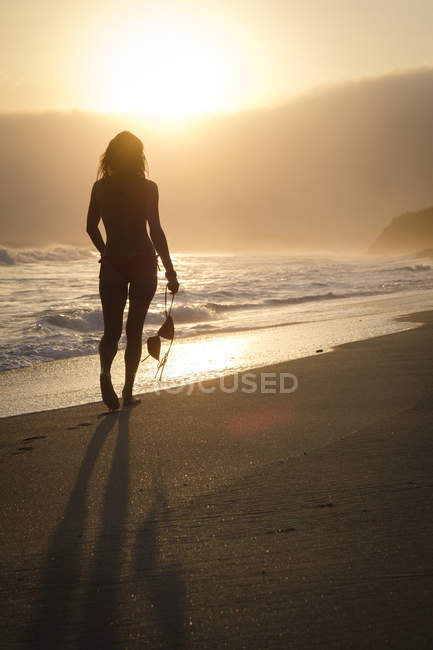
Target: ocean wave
279	302
185	314
80	320
86	319
330	295
10	256
25	355
91	320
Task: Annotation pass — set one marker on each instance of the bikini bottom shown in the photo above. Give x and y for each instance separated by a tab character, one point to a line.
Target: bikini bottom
118	271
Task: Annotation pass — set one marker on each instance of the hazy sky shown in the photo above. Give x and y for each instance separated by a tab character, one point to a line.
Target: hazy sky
186	57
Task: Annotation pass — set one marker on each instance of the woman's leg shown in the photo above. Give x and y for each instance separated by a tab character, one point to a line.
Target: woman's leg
140	296
113	292
113	319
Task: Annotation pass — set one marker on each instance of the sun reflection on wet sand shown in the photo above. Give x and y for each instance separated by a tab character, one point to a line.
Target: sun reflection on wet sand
195	360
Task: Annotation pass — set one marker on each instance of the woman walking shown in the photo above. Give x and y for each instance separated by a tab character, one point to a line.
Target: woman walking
126	201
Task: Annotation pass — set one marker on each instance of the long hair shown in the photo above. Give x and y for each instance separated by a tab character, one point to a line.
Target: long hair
124	156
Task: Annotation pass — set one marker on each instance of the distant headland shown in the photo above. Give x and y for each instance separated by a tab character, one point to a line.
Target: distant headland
411	232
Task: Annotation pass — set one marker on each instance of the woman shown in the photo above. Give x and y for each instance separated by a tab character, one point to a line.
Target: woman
126	201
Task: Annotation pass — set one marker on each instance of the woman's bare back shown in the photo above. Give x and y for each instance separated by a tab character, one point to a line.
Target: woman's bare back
125	206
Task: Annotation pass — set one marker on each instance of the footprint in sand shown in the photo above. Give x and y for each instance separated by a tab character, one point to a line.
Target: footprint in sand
28	447
20	450
80	424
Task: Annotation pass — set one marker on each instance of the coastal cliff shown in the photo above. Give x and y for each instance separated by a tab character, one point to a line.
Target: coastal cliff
408	233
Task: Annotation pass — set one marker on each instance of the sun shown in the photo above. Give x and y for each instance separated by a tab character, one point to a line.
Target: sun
161	66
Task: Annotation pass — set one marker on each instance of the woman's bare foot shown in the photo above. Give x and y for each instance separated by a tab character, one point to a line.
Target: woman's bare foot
128	399
108	393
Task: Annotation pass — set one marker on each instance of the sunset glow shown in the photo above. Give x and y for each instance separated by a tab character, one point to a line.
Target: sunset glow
165	66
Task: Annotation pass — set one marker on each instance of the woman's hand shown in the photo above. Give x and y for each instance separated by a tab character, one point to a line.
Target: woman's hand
173	284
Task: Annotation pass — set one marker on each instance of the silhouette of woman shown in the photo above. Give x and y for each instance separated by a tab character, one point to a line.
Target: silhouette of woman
126	201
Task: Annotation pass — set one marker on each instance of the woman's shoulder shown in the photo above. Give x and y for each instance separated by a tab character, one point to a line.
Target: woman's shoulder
98	183
151	188
150	184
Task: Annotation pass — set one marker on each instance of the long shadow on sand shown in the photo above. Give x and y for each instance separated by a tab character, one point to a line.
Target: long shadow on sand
163	579
62	570
76	610
105	597
100	607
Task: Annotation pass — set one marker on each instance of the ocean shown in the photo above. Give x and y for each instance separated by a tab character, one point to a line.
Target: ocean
232	312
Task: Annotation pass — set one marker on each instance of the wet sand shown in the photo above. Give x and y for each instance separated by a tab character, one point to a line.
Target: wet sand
293	520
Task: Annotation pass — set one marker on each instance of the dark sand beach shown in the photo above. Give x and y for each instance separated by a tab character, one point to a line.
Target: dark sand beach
301	520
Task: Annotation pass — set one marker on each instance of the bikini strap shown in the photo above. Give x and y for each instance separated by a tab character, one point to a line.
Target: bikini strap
167	313
161	365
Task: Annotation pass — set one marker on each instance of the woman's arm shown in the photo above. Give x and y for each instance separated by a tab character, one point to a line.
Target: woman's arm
93	218
157	234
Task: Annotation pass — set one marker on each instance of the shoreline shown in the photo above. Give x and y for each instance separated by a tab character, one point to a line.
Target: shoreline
59	384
